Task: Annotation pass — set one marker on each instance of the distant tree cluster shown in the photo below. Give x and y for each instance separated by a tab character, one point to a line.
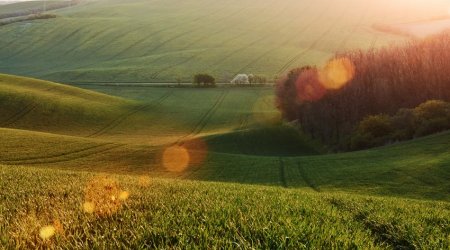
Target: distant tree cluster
376	130
26	18
257	79
385	80
204	80
53	5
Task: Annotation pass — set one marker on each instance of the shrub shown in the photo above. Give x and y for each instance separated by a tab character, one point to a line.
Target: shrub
404	124
374	130
429	117
204	80
433	116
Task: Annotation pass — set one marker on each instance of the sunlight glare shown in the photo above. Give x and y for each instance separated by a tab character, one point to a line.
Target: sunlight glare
144	181
337	73
123	196
58	226
175	158
102	196
47	232
88	207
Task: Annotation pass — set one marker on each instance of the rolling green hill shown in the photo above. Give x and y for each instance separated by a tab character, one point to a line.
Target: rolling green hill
233	131
46	106
162	40
87	166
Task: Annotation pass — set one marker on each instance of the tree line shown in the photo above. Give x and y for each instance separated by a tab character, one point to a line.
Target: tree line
384	80
38	10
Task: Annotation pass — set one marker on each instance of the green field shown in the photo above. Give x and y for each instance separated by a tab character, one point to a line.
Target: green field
163	213
251	181
236	131
163	40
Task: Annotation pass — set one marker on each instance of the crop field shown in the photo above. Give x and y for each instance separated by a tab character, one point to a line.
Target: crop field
82	165
160	213
105	142
232	134
165	40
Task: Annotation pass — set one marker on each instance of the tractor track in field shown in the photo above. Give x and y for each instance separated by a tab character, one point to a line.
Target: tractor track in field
25	48
312	45
160	31
243	121
306	178
116	122
22	113
156	74
204	119
171	27
304	10
357	26
69	156
282	171
224	42
85	42
43	38
75	48
56	155
141	40
345	39
95	35
60	42
306	27
16	117
257	40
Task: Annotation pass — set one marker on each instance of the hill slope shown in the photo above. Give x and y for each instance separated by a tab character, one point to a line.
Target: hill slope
46	106
154	41
223	129
417	169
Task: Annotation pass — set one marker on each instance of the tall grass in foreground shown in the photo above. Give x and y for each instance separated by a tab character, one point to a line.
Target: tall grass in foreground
44	208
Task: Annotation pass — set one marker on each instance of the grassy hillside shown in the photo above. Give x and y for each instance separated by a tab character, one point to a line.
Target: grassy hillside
417	169
154	41
46	106
158	213
267	141
231	135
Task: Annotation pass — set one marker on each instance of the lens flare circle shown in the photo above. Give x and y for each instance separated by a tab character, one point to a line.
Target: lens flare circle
123	196
337	73
47	232
144	181
88	207
175	158
102	196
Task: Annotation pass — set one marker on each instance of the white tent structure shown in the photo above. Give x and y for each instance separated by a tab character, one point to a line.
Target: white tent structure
241	79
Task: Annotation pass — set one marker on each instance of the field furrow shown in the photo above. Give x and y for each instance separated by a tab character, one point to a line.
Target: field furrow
119	120
69	156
